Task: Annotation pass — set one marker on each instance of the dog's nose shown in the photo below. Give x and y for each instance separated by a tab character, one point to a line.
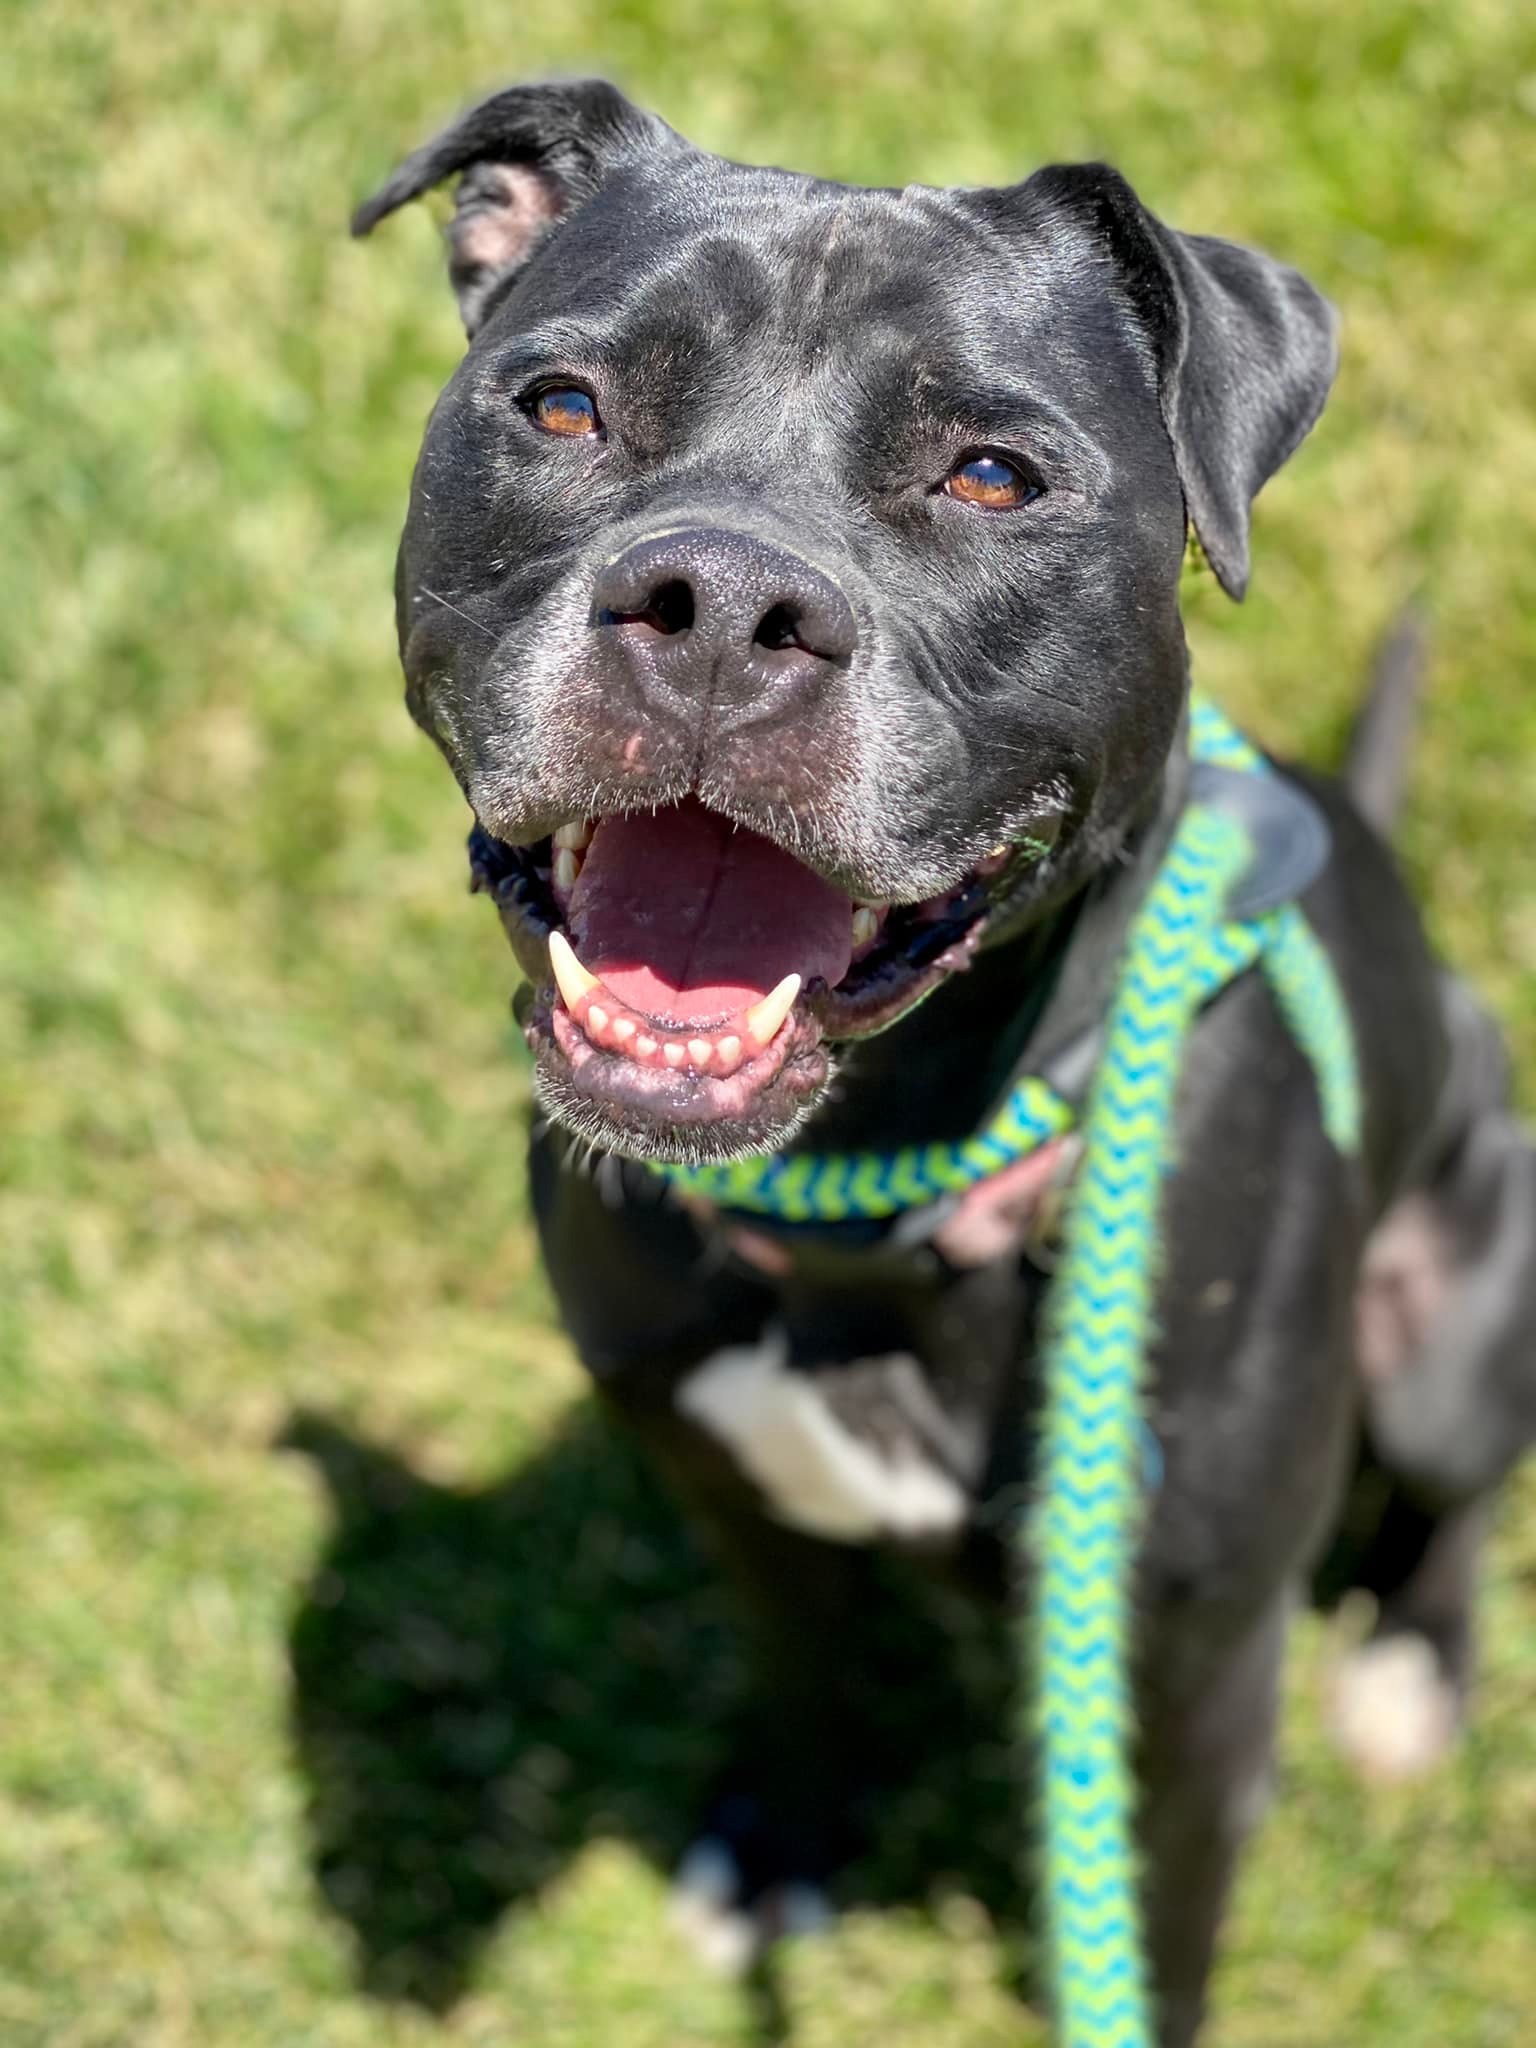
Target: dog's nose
724	614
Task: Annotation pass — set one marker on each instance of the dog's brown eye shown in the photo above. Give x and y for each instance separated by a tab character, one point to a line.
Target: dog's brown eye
989	480
562	409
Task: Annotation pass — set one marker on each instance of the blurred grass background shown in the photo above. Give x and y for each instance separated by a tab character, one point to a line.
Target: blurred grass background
354	1684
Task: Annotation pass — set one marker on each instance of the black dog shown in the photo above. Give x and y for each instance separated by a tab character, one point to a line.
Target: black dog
791	581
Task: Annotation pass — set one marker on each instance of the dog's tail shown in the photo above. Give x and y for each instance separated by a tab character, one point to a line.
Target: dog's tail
1376	766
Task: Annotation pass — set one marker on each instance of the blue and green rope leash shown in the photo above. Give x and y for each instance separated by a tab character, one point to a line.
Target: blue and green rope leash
1079	1544
1090	1507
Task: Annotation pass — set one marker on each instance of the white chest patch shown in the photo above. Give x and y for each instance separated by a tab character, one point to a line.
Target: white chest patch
815	1474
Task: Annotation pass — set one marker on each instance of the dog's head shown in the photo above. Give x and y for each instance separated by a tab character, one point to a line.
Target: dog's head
791	578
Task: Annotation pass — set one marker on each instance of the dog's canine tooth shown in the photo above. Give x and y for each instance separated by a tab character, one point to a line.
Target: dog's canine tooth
567	868
763	1019
574	838
571	978
866	923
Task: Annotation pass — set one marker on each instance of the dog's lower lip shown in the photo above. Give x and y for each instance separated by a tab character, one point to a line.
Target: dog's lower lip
664	1114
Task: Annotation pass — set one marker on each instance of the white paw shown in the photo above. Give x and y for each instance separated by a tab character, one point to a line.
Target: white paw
727	1937
704	1910
1393	1712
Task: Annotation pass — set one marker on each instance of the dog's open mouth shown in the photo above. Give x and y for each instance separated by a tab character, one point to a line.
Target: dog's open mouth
686	972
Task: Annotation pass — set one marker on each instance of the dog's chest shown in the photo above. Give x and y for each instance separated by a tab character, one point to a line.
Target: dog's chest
858	1452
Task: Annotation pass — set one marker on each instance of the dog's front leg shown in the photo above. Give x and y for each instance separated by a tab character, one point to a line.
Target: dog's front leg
649	1305
789	1807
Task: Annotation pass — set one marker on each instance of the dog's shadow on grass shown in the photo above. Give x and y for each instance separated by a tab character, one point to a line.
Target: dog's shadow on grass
484	1682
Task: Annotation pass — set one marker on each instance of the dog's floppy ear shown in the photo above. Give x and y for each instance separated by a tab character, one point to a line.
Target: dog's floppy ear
1245	349
529	156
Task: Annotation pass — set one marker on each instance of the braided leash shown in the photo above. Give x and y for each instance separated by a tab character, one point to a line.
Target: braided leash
1077	1547
1089	1512
1083	1537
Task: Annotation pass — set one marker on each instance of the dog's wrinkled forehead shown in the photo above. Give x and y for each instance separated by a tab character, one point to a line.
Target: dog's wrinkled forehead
711	243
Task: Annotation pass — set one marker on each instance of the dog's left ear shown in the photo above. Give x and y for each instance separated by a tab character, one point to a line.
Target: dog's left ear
1245	349
529	157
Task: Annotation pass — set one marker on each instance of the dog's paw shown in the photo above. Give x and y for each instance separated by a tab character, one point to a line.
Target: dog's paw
1394	1713
728	1930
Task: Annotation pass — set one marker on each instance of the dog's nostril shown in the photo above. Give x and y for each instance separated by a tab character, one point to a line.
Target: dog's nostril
670	609
778	628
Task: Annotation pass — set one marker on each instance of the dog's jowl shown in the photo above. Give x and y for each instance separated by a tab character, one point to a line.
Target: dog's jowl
791	582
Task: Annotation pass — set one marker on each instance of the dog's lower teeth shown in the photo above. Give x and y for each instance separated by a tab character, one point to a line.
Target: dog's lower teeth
597	1010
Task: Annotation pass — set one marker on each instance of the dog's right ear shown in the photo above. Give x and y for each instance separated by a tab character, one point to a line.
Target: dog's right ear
529	156
1245	351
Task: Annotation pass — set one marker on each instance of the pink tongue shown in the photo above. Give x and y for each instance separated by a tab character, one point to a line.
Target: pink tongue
689	918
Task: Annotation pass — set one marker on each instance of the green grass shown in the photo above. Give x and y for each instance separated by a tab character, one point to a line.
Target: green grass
260	1133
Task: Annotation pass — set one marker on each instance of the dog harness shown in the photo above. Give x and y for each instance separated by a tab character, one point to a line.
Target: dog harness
843	1187
1221	902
